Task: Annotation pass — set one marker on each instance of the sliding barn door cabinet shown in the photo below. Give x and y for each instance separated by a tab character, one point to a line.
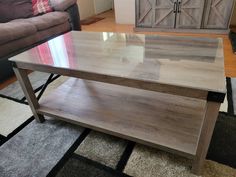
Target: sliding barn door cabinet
183	15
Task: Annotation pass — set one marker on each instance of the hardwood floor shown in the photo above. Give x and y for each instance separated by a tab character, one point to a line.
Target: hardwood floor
108	24
9	81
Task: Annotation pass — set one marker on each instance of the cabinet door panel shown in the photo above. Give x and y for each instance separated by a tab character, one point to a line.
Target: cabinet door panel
164	17
190	13
218	14
144	13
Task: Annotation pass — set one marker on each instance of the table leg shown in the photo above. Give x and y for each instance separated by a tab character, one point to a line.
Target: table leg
24	81
210	117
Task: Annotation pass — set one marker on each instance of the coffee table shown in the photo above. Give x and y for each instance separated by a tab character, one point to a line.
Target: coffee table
161	91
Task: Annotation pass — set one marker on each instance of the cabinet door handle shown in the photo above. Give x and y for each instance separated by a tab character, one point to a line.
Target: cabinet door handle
175	7
178	7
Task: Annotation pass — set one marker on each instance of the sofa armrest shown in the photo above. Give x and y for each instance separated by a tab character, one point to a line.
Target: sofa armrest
71	7
73	12
62	5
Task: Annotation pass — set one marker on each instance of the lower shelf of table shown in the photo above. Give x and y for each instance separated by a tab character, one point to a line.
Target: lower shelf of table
169	122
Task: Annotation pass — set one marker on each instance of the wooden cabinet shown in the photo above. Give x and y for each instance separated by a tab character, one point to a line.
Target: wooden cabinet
183	14
189	13
218	13
144	13
164	13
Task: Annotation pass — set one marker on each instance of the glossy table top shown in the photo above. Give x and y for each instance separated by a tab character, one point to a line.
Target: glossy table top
190	62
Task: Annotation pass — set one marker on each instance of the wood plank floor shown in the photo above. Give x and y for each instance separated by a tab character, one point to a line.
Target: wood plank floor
9	81
108	25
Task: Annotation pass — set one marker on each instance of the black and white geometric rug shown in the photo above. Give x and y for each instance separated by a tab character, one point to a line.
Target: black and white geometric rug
88	153
37	148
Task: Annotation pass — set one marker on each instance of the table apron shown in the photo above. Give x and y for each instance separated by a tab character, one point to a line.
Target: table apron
140	84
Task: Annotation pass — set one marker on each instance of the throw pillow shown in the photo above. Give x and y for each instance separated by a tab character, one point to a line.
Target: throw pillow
14	9
41	7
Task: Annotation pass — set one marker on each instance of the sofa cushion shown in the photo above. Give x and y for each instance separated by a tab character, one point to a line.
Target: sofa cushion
13	9
62	4
16	46
15	29
48	20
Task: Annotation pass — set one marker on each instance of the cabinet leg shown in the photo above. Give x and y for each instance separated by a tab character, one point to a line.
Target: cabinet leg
210	117
27	88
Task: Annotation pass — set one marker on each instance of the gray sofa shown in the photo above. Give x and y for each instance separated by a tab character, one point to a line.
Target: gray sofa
19	35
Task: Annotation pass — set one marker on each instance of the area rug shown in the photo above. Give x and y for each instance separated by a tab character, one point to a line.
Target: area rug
91	20
143	163
12	115
102	148
223	144
36	149
78	166
14	90
148	162
224	106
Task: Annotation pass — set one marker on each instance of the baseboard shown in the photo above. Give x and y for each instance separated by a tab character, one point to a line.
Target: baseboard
199	31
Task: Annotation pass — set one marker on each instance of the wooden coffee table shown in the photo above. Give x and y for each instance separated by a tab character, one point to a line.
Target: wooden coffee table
161	91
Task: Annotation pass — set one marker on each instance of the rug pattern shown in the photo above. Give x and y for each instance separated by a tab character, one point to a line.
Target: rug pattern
13	114
36	149
14	90
102	148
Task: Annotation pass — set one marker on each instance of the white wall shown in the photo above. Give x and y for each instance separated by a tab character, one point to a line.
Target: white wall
86	8
102	5
125	11
90	8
